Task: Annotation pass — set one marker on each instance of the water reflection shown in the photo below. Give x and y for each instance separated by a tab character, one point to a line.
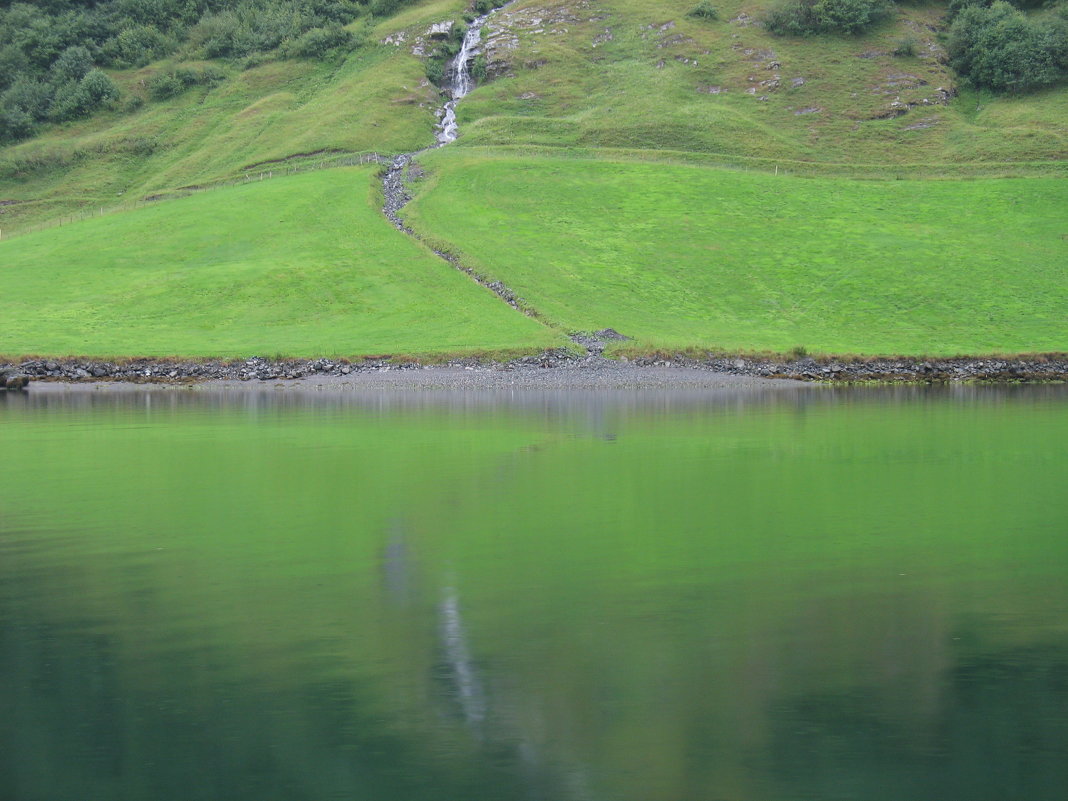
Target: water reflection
786	595
464	681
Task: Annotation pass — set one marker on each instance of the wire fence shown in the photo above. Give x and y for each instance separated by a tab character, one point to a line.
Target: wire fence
260	172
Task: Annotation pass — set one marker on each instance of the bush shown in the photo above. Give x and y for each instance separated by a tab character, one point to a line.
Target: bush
99	88
72	65
481	7
480	68
82	98
810	17
906	46
435	71
15	124
317	42
704	10
137	46
172	83
1000	48
30	96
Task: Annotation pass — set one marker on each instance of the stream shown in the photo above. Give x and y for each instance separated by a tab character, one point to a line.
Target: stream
396	194
460	86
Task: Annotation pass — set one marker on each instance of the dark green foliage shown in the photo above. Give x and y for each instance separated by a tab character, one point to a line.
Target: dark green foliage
169	84
384	8
704	10
1002	49
811	17
57	43
29	95
481	7
72	64
15	124
906	46
319	42
435	70
82	98
478	70
137	45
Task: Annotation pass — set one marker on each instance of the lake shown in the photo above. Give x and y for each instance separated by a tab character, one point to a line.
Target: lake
738	595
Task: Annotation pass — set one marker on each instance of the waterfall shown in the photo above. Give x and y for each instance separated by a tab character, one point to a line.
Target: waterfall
462	82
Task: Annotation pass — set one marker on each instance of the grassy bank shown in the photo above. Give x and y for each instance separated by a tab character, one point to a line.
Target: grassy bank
680	256
298	266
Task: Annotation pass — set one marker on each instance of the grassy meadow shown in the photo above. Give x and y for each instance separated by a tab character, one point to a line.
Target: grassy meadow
618	170
679	256
299	266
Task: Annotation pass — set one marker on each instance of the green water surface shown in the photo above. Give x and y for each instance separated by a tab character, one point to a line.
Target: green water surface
617	596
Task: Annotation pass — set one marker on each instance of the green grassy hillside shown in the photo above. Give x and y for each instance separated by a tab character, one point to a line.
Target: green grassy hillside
301	266
640	74
681	255
600	172
566	73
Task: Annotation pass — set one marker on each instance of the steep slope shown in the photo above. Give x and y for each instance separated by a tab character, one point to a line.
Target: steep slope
564	73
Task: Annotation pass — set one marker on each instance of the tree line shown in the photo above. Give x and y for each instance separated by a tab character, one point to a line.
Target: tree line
52	51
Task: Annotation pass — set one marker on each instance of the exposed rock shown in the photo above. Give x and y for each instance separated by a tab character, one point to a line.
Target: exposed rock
672	41
1053	367
440	31
602	38
808	110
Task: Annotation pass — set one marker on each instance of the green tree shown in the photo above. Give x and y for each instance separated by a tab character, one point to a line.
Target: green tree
1000	48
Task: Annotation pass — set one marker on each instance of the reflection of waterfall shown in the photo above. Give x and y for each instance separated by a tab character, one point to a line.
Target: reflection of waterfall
466	683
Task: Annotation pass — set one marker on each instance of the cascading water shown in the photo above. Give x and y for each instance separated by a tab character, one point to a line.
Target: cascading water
393	182
462	82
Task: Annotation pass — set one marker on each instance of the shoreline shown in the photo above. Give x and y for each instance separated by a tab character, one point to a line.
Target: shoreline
551	369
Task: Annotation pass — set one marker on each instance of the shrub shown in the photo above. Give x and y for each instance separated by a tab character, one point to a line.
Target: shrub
480	68
906	46
999	48
137	46
481	7
99	89
30	96
169	84
704	10
317	42
15	124
809	17
82	98
72	65
435	70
